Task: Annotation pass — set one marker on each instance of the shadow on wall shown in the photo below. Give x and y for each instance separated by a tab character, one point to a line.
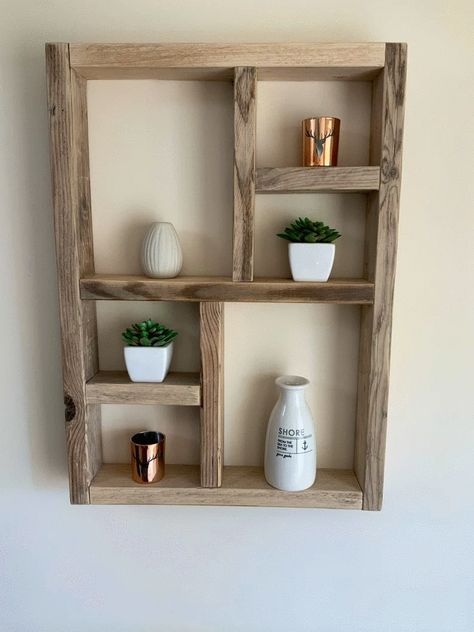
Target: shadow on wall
245	445
340	391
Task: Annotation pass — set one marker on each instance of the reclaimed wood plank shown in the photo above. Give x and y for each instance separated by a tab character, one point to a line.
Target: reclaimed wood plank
212	406
285	62
310	179
244	486
115	387
133	288
245	89
71	202
380	264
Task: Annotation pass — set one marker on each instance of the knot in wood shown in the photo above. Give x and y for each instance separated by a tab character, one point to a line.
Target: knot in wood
389	171
70	408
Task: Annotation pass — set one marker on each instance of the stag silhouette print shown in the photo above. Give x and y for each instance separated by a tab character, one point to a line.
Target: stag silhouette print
319	141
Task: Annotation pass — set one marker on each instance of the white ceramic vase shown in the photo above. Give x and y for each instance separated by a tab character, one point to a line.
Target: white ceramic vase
311	262
148	364
290	446
161	254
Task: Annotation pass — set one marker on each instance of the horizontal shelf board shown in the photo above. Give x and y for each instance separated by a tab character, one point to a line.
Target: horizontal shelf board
274	62
310	179
115	387
133	288
336	489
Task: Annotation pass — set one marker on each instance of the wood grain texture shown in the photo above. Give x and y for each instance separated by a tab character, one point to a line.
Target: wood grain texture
245	89
334	489
381	248
82	202
308	179
300	62
133	288
115	387
226	73
71	202
212	407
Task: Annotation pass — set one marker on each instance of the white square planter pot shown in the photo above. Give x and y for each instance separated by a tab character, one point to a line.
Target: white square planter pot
148	364
311	262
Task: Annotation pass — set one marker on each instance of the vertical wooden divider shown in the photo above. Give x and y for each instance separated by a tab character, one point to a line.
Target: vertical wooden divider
67	106
245	88
212	407
380	262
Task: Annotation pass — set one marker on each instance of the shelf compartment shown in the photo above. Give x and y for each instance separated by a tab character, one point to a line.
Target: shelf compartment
323	179
246	486
141	288
115	387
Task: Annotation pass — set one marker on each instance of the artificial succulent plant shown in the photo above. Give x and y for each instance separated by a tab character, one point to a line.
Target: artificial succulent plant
148	334
306	231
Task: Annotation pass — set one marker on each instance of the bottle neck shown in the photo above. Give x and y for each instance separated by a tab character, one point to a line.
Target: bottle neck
292	396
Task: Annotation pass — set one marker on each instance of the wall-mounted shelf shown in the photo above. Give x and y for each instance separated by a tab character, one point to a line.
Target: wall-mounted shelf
140	288
69	67
322	179
336	489
115	387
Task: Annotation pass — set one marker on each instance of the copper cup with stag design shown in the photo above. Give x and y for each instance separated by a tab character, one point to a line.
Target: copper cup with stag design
148	456
320	141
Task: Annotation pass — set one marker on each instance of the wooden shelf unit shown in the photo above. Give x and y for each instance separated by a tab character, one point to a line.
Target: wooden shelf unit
69	67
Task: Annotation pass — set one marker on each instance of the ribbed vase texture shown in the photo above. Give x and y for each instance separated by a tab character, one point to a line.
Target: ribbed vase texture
161	255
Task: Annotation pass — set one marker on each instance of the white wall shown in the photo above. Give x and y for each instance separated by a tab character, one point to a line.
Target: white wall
408	568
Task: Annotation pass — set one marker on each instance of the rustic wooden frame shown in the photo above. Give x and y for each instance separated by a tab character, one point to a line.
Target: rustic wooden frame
69	66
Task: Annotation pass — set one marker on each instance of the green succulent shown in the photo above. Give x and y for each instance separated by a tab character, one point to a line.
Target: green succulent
148	334
305	231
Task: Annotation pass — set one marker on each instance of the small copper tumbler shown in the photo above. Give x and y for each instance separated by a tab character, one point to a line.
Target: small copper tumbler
148	456
320	141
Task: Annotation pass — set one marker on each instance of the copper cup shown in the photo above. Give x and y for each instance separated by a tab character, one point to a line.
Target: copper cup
320	141
148	456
